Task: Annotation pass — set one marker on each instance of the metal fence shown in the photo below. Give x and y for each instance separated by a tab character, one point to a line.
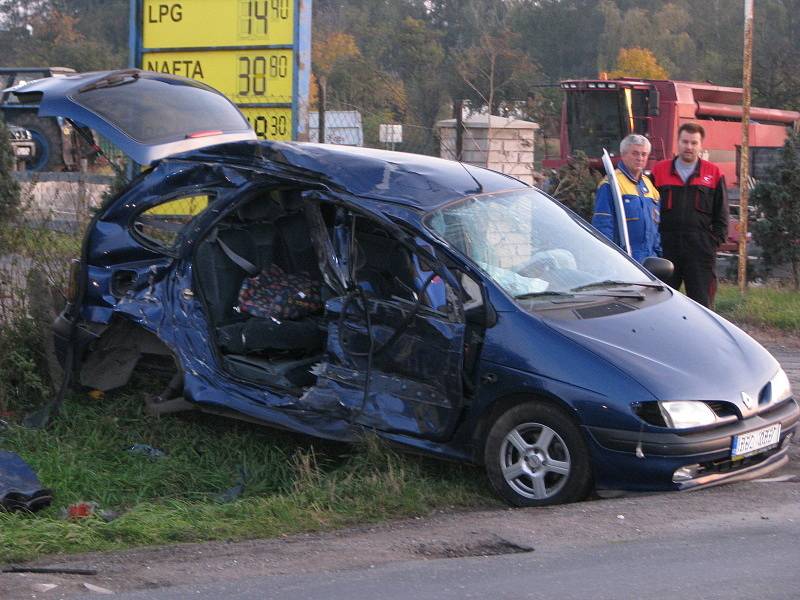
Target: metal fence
352	126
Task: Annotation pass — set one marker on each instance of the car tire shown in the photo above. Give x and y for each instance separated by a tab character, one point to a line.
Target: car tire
47	136
523	471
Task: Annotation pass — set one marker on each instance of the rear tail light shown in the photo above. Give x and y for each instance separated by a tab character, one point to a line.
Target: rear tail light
200	134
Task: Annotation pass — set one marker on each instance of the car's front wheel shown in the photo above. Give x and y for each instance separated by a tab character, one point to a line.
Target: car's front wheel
535	455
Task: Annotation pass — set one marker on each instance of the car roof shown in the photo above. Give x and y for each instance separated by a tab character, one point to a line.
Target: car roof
419	181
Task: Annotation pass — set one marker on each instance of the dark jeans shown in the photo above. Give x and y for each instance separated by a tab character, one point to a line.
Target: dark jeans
694	257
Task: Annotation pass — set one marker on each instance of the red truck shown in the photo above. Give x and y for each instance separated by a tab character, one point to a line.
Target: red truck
598	113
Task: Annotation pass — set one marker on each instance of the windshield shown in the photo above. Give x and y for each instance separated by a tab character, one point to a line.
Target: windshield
594	121
529	244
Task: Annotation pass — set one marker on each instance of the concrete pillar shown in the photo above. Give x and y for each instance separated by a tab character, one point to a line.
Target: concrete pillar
498	143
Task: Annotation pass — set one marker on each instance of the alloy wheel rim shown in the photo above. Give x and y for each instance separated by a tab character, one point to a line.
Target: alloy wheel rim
535	461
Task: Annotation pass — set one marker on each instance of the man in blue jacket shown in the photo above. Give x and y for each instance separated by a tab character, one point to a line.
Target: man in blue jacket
639	197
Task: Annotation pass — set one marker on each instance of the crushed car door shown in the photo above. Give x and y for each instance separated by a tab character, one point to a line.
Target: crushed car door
395	340
146	115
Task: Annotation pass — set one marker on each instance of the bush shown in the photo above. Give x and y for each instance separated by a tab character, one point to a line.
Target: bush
9	188
778	232
34	265
23	374
577	185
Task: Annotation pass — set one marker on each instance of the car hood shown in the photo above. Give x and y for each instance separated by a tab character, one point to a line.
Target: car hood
678	350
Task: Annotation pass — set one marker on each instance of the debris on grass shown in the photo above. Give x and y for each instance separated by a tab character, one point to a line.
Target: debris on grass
79	510
38	419
109	515
50	570
97	589
234	492
20	488
146	450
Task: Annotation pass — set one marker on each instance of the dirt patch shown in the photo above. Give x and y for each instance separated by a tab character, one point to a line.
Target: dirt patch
492	547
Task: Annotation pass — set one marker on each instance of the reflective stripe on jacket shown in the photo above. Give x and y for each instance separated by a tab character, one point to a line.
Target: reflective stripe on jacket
642	213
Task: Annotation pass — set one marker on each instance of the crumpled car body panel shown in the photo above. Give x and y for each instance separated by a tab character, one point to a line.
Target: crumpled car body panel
416	393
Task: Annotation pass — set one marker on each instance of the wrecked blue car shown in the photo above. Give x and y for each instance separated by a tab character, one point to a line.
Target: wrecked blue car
449	309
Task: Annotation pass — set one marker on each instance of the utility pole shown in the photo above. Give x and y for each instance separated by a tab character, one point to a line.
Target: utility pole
322	101
458	114
744	165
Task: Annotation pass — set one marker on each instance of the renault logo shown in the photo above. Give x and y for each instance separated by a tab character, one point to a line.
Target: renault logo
748	401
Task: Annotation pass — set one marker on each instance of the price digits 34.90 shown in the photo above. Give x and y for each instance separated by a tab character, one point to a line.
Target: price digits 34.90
255	71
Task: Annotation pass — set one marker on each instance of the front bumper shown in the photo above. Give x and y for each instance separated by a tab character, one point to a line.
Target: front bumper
619	466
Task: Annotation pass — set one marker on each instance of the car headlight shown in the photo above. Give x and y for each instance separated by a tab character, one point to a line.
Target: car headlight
683	414
780	388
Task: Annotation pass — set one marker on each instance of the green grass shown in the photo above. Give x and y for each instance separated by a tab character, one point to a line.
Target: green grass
761	306
293	483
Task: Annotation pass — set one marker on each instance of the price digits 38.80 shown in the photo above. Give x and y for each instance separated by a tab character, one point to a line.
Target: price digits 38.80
255	71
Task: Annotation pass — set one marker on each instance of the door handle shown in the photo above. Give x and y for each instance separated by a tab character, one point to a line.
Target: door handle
123	281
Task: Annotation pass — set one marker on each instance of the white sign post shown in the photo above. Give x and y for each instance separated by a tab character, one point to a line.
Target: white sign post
390	135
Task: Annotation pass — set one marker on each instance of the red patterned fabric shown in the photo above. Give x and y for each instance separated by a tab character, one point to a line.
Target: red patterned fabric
276	294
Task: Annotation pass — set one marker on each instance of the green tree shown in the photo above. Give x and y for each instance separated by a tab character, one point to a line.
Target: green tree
778	232
418	59
719	49
664	30
38	33
102	21
330	48
561	36
9	188
494	71
776	54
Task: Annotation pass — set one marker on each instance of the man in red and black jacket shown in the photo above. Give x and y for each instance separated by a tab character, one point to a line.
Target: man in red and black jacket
694	215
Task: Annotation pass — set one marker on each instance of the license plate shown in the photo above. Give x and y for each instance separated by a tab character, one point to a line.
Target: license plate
756	441
23	152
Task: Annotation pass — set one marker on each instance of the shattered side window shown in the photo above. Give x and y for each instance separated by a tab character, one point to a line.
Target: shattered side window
528	244
161	225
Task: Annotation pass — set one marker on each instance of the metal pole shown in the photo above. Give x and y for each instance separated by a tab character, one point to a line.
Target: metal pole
744	165
322	100
458	113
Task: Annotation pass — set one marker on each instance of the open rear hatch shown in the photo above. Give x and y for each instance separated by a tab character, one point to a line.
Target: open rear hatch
147	115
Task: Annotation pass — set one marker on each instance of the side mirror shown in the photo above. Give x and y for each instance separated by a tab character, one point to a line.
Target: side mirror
660	267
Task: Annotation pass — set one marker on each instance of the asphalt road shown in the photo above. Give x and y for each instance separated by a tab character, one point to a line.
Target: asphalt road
751	561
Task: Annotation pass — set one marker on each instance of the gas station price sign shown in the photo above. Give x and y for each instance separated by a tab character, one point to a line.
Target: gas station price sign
256	52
